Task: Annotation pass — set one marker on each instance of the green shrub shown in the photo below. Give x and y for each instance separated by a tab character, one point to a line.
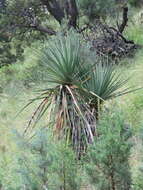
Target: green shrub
46	164
108	158
136	3
95	9
138	173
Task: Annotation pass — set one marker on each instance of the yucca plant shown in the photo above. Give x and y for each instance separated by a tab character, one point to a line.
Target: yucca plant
68	112
75	89
106	82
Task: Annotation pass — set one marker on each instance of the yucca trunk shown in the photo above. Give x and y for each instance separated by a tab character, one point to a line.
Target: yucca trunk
74	121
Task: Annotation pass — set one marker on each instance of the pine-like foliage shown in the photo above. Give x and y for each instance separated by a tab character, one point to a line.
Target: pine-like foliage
45	164
95	9
137	174
108	158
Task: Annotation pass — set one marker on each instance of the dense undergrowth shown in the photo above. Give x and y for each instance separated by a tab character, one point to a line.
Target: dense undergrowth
18	84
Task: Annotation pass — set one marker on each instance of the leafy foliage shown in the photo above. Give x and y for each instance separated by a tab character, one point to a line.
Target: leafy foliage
62	60
108	158
136	3
98	8
77	85
39	19
71	101
7	56
47	164
105	82
138	171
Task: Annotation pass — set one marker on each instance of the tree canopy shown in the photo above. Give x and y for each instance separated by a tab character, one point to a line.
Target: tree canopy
28	20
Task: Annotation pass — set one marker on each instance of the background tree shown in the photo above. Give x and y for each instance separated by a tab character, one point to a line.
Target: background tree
39	19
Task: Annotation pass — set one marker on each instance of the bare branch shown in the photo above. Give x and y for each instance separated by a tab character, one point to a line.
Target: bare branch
47	30
40	28
124	19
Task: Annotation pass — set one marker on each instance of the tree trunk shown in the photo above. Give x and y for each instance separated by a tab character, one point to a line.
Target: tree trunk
72	13
54	9
69	11
113	185
124	20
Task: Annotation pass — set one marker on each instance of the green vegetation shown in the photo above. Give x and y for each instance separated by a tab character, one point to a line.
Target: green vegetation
76	130
78	89
108	159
